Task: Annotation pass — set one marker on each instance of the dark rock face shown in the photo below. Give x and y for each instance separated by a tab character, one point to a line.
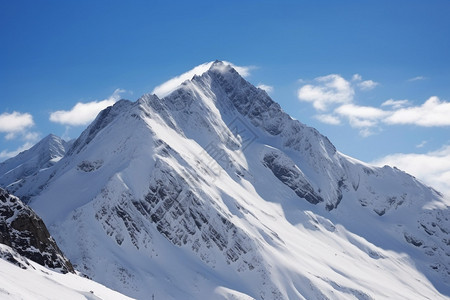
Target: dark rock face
10	255
291	176
181	217
412	240
25	232
89	166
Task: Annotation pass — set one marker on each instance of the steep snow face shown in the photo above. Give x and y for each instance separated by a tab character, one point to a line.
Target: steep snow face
15	171
214	192
25	279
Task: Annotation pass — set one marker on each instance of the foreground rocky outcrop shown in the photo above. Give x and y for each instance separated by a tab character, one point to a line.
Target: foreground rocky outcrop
22	230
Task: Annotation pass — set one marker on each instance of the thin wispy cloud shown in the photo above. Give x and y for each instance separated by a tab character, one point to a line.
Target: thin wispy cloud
433	167
328	119
170	85
422	144
244	71
267	88
5	154
367	85
31	136
417	78
84	113
395	104
364	85
356	77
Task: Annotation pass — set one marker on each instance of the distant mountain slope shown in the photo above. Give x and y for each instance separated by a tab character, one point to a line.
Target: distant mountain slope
15	171
214	192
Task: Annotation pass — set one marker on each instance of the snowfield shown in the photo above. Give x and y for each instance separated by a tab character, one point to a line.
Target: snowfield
213	192
36	282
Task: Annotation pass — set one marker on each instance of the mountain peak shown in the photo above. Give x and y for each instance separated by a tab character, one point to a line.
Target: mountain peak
172	84
215	178
41	156
221	65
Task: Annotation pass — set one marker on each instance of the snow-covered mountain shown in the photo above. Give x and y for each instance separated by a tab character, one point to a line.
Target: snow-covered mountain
31	264
214	192
15	171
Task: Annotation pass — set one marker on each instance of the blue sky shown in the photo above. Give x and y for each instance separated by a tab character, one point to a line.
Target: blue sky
333	65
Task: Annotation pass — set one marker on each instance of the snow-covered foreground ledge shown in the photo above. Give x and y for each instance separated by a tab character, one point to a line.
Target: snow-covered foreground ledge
37	282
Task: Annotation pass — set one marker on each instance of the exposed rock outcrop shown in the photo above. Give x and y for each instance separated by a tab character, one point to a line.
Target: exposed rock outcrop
25	232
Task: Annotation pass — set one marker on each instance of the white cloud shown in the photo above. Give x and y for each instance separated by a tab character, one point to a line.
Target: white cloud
363	112
11	136
417	78
433	168
244	71
334	89
367	85
329	89
267	88
422	144
84	113
362	123
328	119
356	77
16	125
365	132
334	92
31	136
433	112
395	104
364	85
170	85
15	122
362	117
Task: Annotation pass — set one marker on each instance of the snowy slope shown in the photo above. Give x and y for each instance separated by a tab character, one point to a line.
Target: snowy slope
214	192
32	281
15	171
